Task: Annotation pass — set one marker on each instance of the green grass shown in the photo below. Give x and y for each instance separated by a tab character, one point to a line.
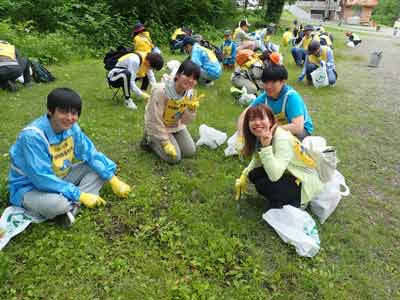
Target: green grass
179	235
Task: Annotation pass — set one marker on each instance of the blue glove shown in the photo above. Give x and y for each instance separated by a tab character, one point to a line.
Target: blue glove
301	77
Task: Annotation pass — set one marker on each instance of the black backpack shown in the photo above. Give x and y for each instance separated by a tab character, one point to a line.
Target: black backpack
217	51
40	73
112	56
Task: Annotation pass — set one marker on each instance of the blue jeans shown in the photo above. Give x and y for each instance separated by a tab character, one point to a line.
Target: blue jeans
299	55
332	76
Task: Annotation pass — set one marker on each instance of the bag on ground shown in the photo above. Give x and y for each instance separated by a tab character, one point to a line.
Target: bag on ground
296	227
210	137
13	221
234	145
325	203
320	77
40	73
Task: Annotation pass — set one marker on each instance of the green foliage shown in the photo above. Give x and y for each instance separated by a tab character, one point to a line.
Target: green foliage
386	12
274	10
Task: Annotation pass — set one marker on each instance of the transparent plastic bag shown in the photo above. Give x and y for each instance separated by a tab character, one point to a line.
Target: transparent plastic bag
296	227
325	203
320	77
210	137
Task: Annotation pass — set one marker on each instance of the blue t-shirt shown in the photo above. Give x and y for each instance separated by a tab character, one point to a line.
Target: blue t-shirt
295	106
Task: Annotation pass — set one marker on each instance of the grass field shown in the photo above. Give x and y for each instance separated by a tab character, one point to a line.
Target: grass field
180	236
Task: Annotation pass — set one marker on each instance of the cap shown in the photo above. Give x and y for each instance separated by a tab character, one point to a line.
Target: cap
308	28
314	45
187	40
227	32
138	27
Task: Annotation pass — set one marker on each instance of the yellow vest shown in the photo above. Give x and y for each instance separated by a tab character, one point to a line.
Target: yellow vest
142	42
174	110
210	54
287	36
307	42
7	50
326	38
176	33
144	68
312	58
62	155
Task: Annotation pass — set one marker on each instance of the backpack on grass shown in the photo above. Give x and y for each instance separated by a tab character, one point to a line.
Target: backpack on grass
40	73
216	50
112	56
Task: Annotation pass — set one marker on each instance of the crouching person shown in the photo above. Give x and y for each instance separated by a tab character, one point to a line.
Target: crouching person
171	107
43	179
318	56
279	168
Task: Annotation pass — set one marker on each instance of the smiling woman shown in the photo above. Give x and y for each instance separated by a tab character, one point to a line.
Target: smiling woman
278	169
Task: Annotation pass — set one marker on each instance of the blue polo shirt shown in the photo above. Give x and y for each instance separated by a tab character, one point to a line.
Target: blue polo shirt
295	106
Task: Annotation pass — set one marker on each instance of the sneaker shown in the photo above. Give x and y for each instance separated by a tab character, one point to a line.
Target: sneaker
130	104
68	219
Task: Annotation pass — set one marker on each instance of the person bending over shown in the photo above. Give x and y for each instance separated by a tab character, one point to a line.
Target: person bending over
43	178
133	67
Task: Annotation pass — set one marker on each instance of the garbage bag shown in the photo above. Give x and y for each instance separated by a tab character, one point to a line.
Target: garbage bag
320	77
245	98
325	203
210	137
296	227
234	145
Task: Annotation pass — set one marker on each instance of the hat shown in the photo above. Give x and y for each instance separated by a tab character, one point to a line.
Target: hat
187	40
314	45
244	22
138	27
308	28
227	32
276	58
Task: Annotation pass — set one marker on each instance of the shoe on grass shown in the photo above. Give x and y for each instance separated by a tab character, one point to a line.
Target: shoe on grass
130	104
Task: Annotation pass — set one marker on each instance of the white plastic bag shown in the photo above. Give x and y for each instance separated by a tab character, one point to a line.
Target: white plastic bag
245	98
13	221
320	77
172	66
234	146
325	203
210	137
296	227
350	44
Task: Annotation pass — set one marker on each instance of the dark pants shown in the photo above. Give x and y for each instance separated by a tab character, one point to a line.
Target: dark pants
121	79
279	193
145	82
299	55
12	72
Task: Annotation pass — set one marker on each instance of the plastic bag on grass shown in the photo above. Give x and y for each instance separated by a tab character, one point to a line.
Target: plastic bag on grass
234	145
210	137
296	227
245	98
325	203
320	77
13	221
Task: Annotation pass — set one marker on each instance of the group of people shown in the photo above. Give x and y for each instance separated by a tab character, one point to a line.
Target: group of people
44	180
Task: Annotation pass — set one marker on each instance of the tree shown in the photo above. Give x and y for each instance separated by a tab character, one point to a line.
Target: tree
274	9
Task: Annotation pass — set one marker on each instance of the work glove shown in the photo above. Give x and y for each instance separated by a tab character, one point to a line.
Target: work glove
239	144
120	188
91	200
194	103
169	148
240	186
145	96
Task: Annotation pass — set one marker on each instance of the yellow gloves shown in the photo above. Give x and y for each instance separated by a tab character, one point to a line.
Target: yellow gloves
91	200
169	148
145	96
193	104
120	188
240	186
239	145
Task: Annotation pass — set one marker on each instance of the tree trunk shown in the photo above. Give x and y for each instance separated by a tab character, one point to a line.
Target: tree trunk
274	10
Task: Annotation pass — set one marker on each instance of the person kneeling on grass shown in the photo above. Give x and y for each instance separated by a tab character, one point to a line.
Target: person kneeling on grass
42	178
172	106
279	168
319	56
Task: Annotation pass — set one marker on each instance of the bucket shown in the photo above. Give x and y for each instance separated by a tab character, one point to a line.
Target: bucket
375	59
